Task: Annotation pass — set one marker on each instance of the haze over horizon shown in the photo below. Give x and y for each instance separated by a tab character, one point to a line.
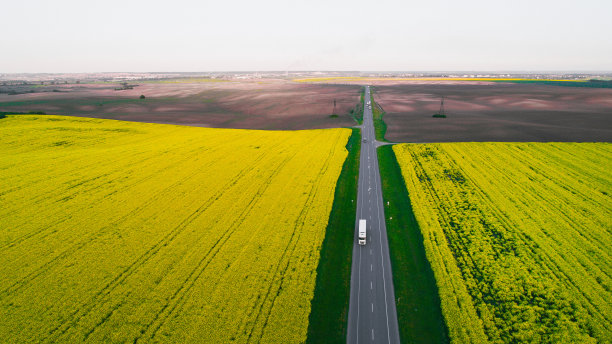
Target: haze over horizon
152	36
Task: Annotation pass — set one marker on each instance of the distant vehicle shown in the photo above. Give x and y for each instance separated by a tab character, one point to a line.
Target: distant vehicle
365	140
362	232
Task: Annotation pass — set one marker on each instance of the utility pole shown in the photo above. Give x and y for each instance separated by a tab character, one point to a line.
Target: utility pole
441	113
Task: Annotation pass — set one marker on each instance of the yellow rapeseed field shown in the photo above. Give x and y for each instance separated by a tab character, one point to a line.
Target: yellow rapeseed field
130	232
519	237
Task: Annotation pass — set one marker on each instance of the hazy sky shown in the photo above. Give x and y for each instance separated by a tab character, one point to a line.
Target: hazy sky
381	35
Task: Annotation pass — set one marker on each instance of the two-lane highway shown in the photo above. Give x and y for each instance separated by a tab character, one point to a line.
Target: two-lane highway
372	315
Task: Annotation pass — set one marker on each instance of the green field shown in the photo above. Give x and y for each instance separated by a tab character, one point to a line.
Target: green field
117	231
518	236
564	83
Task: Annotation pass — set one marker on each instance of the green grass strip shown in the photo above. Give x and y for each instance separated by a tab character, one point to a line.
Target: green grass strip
357	111
380	127
416	293
329	307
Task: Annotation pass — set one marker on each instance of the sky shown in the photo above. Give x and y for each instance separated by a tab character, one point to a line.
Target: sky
62	36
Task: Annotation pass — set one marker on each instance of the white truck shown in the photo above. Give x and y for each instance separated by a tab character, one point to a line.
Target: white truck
362	232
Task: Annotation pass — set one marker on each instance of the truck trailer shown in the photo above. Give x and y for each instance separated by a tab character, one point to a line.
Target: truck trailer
362	232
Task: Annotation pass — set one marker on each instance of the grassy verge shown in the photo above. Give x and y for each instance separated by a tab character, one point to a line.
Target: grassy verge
357	112
380	127
329	306
417	300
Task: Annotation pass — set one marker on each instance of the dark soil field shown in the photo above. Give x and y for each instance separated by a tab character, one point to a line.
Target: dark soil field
247	104
476	111
495	112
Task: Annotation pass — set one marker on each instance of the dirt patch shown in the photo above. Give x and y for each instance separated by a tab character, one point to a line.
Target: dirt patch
496	112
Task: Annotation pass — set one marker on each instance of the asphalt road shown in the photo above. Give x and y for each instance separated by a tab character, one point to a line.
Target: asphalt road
372	315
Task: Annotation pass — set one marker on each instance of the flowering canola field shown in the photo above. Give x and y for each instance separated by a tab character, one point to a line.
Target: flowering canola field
129	232
519	237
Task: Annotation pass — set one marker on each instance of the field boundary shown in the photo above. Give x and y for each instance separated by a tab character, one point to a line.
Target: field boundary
562	83
416	293
5	113
592	83
329	306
